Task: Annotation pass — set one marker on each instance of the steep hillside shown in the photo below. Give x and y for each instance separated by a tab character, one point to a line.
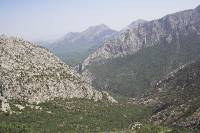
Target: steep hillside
168	43
177	98
74	47
33	74
135	74
145	34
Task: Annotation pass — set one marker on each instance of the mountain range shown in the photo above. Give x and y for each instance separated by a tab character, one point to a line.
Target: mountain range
145	34
74	47
151	70
133	60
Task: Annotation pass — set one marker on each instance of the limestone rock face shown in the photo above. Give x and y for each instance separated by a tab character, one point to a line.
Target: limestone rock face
148	33
33	74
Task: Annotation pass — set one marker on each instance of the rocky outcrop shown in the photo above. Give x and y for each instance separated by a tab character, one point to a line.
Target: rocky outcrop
133	60
4	105
146	34
33	74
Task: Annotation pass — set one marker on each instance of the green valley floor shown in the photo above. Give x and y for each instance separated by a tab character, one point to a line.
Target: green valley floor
79	116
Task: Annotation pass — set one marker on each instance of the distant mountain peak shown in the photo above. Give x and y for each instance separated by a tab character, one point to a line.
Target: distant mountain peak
139	21
89	32
134	24
98	28
83	43
141	33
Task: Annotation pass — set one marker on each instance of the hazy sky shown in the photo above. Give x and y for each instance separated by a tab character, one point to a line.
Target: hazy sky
50	19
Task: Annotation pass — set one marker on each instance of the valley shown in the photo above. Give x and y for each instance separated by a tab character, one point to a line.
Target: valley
79	115
144	78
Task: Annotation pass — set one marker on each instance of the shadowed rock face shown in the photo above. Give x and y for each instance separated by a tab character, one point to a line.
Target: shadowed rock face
33	74
145	34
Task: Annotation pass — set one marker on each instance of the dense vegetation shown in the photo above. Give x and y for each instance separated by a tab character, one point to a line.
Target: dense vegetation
78	115
75	115
135	74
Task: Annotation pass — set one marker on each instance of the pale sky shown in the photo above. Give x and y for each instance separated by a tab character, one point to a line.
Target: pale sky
51	19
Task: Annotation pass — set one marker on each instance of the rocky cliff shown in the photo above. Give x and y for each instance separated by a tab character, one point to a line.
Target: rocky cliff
145	34
33	74
129	64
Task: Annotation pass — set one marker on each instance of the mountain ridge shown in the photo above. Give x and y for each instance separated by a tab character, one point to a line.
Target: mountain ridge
131	62
146	34
33	74
75	46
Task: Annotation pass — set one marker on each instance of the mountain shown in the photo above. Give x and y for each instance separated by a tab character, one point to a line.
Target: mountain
74	47
176	98
131	62
40	93
32	74
145	34
134	24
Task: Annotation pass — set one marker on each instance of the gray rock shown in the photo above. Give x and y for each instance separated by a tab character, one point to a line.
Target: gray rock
142	34
33	74
4	105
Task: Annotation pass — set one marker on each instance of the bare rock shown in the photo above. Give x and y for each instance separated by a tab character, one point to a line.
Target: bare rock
142	34
33	74
4	105
20	107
